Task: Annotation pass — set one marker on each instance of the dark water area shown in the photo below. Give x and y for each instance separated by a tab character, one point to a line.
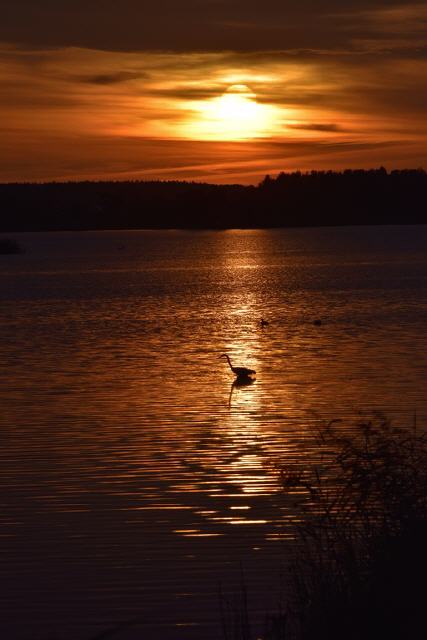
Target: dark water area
136	479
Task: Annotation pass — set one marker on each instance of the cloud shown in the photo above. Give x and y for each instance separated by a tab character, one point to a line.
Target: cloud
139	87
203	25
316	127
347	87
111	78
95	157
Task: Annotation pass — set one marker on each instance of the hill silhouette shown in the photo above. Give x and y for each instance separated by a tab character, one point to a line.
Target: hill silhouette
317	198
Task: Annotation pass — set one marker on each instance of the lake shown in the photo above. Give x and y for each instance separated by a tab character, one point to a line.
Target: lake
137	481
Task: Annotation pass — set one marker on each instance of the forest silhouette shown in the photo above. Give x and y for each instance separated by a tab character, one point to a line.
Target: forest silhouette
316	198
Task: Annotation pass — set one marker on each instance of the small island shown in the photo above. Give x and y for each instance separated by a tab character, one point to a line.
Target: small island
9	246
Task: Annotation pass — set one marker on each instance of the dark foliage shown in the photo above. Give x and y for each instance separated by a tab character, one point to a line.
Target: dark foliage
361	561
317	198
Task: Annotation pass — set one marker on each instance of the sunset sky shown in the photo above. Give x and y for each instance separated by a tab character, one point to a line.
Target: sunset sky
210	90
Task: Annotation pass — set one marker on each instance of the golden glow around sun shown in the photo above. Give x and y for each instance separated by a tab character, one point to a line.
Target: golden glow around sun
235	115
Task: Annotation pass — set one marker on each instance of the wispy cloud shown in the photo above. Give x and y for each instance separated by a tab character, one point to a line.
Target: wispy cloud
79	112
111	78
315	126
208	25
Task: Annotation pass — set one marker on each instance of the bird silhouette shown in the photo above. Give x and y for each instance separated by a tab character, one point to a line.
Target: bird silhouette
264	323
240	372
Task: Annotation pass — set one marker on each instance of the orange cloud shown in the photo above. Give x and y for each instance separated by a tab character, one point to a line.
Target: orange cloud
73	113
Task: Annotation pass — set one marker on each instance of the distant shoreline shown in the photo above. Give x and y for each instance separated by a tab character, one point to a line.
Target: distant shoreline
210	229
290	200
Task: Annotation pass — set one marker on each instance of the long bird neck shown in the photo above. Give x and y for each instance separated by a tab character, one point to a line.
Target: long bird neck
229	362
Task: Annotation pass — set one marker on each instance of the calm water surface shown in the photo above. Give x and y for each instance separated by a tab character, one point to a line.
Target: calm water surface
136	479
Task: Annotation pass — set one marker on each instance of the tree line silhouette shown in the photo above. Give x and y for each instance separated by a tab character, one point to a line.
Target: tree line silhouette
316	198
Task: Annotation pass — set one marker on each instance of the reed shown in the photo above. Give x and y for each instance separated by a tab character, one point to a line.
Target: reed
360	557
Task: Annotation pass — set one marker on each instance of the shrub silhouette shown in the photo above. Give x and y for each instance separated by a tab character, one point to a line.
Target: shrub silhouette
360	563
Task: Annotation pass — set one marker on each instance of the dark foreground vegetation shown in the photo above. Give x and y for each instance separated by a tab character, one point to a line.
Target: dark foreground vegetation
318	198
360	564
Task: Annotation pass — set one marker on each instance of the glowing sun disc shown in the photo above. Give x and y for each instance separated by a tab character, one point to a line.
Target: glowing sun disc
235	115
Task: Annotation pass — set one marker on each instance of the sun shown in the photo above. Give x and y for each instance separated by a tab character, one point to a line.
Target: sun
236	108
234	115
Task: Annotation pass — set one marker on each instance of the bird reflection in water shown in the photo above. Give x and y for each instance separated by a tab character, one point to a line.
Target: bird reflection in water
242	381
